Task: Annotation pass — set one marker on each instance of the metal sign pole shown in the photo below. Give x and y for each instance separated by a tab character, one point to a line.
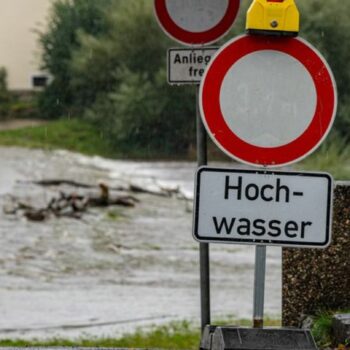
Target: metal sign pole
203	247
259	286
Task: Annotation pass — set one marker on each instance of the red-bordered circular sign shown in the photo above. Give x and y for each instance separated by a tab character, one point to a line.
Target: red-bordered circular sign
196	22
268	101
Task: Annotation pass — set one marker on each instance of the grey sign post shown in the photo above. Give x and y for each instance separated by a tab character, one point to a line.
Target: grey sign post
259	286
204	260
187	66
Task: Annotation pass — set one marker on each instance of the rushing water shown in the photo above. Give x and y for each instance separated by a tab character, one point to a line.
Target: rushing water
118	268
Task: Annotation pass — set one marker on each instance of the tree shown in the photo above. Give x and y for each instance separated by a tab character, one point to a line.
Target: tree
67	19
126	75
133	41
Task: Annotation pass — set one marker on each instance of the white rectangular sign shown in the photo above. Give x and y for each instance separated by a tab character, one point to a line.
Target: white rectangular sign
187	66
263	207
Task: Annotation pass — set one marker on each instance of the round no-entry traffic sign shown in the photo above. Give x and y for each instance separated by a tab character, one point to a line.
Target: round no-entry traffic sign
268	101
196	22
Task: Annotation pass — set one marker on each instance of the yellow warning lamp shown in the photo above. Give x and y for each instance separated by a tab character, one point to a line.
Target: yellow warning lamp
273	17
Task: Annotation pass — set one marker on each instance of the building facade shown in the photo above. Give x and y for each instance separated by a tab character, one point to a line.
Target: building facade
19	47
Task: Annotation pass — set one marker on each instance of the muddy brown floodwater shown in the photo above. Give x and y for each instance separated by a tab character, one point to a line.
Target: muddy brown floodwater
117	269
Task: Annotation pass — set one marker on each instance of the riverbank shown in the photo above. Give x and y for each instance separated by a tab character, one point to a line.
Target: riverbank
80	136
74	135
67	134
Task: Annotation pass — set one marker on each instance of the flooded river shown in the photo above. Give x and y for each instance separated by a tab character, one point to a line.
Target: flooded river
117	269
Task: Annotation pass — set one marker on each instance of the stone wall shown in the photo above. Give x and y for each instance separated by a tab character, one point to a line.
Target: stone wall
319	280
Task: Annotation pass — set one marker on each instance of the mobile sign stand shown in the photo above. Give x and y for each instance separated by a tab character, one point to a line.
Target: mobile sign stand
197	24
266	100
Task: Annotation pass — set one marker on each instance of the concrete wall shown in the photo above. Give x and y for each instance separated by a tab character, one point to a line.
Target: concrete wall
19	49
319	280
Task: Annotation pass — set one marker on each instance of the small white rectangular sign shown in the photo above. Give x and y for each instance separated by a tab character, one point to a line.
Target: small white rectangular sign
263	207
187	66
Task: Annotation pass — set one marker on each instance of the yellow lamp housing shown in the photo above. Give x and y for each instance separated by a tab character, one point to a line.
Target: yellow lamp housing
273	17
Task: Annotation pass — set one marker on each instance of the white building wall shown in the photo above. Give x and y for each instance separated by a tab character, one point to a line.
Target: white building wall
19	48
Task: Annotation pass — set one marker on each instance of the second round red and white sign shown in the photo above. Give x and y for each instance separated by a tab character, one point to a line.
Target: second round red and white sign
268	101
196	22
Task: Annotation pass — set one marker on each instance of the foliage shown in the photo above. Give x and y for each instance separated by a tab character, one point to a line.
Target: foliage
23	109
117	77
326	25
67	18
136	106
70	134
132	41
333	156
3	85
322	330
12	106
145	115
5	96
110	67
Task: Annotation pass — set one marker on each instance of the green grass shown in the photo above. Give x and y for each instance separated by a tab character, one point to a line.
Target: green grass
75	135
333	157
177	335
173	336
322	328
70	134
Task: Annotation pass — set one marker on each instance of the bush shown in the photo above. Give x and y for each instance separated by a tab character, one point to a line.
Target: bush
144	117
135	107
133	41
5	96
23	109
